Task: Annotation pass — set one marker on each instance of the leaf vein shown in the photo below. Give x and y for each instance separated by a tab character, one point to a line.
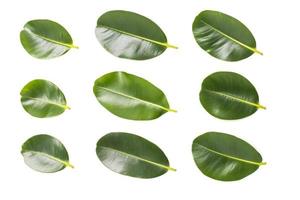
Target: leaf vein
141	159
232	157
135	98
233	39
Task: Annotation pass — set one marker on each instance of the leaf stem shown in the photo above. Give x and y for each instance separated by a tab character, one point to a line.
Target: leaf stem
171	110
66	107
67	164
262	163
257	51
171	46
171	169
74	46
261	107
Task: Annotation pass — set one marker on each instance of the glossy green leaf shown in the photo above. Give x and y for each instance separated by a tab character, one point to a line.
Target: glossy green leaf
228	95
130	97
45	153
45	39
223	36
132	155
41	98
130	35
225	157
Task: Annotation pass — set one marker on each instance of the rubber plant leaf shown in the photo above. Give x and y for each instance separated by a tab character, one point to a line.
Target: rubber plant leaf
225	157
223	36
130	35
45	153
42	98
132	155
45	39
228	95
130	97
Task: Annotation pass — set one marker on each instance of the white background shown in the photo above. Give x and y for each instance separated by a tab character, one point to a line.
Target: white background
179	73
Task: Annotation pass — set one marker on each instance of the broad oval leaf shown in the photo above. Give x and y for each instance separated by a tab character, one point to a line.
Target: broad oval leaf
130	97
228	95
130	35
225	157
132	155
42	98
223	36
45	153
45	39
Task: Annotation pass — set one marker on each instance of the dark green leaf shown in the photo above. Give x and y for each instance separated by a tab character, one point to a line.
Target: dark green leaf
41	98
223	36
130	35
45	39
225	157
228	95
45	153
130	97
132	155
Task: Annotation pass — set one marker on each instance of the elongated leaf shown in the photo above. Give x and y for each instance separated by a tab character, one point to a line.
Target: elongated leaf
228	95
129	35
45	39
225	157
132	155
130	97
45	153
223	36
41	98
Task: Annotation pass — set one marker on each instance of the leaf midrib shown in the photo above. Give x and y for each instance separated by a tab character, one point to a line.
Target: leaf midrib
51	40
164	44
233	39
65	163
135	98
139	158
236	99
64	106
232	157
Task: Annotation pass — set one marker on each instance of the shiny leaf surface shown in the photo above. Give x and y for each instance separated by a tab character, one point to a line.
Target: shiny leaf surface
225	157
130	97
223	36
45	39
45	153
228	95
132	155
41	98
130	35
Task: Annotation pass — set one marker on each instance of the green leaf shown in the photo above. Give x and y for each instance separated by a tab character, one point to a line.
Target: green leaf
130	35
223	36
41	98
45	153
130	97
225	157
132	155
228	95
45	39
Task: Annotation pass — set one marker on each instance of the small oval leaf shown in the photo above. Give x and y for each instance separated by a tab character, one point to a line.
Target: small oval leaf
132	155
130	97
223	36
130	35
45	153
225	157
45	39
228	95
41	98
